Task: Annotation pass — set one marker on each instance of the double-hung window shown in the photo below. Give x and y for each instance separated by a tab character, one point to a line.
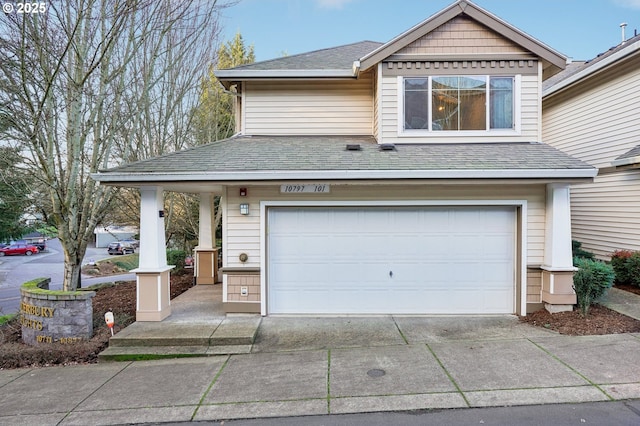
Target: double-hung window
459	103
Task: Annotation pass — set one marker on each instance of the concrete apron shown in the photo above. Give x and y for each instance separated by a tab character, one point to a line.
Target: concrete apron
198	326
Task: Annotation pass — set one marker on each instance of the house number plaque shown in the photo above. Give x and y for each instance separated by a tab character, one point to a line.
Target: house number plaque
305	188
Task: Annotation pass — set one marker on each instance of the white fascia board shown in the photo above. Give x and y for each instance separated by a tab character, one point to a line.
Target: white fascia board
626	161
253	74
347	174
632	48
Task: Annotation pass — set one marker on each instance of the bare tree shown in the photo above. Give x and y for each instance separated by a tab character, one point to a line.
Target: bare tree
81	79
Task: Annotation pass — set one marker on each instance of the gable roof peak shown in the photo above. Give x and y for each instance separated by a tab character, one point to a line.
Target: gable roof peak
552	60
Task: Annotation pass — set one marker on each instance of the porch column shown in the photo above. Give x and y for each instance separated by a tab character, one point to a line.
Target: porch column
557	270
206	254
152	275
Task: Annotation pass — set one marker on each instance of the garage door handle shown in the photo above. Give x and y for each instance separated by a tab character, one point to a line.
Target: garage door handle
391	274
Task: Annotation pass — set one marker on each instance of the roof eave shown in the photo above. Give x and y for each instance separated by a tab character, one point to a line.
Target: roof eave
111	178
626	161
240	75
633	48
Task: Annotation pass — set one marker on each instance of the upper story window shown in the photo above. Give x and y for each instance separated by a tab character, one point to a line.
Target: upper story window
459	103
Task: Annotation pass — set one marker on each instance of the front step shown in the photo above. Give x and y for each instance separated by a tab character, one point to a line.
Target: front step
139	353
152	340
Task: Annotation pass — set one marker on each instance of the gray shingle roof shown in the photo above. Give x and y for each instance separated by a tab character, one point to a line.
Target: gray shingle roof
340	57
273	154
632	153
579	66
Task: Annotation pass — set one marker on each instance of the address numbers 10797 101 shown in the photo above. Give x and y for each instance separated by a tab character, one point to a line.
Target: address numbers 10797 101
297	188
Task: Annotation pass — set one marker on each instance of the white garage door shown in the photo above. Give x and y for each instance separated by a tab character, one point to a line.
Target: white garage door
391	260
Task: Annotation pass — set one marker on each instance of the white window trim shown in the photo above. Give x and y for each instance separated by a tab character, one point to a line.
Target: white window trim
412	133
521	279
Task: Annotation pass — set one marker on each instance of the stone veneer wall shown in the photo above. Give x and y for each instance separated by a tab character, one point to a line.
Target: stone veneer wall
50	316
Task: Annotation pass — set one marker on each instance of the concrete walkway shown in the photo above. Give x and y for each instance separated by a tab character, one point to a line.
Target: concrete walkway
312	366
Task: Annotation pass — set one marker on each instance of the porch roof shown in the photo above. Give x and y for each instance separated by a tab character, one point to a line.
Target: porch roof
260	158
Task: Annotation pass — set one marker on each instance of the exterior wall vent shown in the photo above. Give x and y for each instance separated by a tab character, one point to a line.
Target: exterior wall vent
353	147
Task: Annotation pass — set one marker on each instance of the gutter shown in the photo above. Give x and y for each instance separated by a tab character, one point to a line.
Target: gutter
253	74
346	174
626	161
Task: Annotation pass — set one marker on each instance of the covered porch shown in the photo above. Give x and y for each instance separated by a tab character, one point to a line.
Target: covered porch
197	326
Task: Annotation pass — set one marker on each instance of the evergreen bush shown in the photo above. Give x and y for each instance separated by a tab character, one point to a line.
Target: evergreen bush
590	281
578	251
176	257
633	268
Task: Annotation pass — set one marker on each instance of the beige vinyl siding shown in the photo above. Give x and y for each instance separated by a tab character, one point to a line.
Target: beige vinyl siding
529	115
605	214
243	232
530	108
336	107
598	121
534	286
376	105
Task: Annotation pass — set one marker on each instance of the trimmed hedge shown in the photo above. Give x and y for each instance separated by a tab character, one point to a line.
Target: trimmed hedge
590	281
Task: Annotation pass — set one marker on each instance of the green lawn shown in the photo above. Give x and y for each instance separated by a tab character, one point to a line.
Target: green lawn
127	261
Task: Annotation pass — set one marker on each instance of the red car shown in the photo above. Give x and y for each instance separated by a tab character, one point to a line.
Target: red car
26	249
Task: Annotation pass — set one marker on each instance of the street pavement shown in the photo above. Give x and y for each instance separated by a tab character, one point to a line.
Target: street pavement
16	270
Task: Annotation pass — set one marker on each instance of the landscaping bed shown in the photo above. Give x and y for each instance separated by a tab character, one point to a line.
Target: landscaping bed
119	298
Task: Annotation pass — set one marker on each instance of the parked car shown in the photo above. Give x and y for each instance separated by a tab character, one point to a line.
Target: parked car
120	247
19	248
41	244
134	243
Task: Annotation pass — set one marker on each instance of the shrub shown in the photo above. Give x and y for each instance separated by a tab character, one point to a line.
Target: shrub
633	268
590	281
626	264
176	257
578	251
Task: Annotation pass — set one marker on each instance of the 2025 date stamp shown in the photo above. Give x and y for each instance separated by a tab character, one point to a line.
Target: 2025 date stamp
21	8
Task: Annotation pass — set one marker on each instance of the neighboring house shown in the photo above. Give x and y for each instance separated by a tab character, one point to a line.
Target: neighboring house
405	177
110	234
592	112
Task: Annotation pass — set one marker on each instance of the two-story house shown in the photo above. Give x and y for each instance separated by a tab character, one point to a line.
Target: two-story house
591	111
405	177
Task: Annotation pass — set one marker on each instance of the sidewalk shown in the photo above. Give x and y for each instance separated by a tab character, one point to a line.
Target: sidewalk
299	366
312	366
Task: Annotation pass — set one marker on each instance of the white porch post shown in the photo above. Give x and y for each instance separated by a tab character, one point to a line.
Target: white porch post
153	253
152	275
206	254
557	270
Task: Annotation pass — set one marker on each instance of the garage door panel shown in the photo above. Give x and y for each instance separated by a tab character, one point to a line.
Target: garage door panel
442	260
